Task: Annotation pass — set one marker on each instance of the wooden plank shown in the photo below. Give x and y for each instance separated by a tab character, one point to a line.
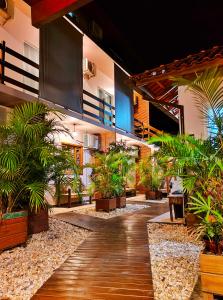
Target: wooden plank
211	264
113	263
212	283
12	229
44	11
13	240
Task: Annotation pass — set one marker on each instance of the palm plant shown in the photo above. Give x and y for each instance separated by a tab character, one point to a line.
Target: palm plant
63	164
207	89
189	158
110	173
150	173
27	154
125	165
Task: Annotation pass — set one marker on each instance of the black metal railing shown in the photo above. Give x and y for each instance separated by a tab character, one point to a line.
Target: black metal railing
5	53
98	109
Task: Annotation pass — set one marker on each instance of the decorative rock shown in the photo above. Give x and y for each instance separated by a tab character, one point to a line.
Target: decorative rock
174	261
90	210
23	270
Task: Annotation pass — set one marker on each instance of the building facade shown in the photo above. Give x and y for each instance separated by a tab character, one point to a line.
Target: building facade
61	66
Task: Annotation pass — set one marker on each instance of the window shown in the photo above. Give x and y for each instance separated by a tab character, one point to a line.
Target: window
76	151
106	114
33	54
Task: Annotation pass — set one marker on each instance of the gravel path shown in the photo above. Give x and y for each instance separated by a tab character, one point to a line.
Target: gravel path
23	270
174	260
90	210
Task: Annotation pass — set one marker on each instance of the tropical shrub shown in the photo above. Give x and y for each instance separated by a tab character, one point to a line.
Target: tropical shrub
28	156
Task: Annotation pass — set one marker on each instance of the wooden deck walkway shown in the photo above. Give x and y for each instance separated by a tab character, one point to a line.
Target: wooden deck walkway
113	263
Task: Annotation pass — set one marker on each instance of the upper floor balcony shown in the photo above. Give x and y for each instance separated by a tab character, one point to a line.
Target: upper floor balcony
19	75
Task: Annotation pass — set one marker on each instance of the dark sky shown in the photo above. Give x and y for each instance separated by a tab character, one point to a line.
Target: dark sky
146	33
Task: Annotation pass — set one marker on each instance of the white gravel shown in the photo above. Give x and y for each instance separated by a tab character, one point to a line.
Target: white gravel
174	260
23	270
90	210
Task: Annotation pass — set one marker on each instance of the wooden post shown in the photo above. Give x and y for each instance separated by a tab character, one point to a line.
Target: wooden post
182	127
3	62
69	197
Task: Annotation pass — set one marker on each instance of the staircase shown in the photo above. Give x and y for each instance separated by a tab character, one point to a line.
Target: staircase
145	131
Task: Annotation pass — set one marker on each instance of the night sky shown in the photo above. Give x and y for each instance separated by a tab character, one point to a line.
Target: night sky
144	34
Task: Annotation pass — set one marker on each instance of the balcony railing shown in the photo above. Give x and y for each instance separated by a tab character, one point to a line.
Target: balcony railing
16	76
12	72
98	109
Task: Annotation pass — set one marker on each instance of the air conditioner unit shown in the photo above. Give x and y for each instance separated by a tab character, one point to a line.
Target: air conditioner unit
91	141
4	114
89	69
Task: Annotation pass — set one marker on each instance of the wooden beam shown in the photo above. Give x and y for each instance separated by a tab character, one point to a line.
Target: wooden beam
44	11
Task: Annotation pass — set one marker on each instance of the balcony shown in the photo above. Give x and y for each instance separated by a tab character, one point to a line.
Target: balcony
19	78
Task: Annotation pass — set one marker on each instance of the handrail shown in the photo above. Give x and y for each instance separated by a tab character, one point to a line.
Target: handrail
7	65
99	113
18	55
98	99
145	129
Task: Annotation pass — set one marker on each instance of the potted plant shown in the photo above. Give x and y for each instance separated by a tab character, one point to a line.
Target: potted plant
104	180
200	165
209	207
26	157
122	170
150	174
65	174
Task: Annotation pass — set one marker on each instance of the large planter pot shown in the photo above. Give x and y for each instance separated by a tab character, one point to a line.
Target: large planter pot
121	202
38	222
211	267
13	229
105	204
152	195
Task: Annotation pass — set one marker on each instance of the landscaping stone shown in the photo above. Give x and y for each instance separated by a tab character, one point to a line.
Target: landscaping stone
23	270
90	210
174	261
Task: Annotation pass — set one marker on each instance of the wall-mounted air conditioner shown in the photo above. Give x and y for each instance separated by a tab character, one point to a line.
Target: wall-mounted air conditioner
91	141
89	69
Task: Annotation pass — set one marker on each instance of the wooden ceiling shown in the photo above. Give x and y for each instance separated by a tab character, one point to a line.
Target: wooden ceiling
44	11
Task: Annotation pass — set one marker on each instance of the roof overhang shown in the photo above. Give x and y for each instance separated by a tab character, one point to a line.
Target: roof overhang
159	82
44	11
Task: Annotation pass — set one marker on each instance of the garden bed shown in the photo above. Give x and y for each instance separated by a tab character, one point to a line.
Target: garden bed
174	260
90	211
23	270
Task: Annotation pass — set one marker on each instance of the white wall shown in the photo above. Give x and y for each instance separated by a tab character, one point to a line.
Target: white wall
104	78
192	117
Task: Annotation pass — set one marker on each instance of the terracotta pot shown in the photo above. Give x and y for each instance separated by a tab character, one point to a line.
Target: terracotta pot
105	204
38	222
13	229
121	202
